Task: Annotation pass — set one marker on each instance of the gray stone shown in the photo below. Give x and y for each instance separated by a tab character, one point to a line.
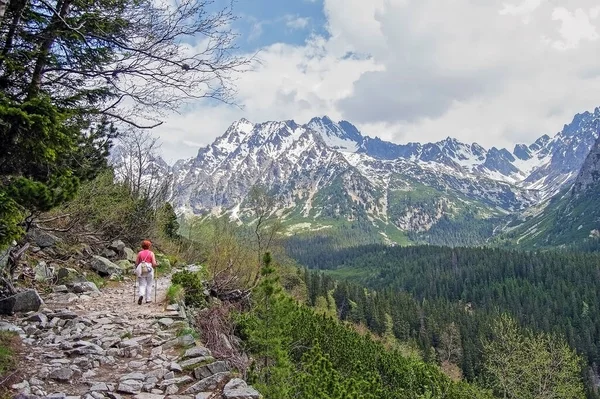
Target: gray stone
207	384
113	395
199	351
137	364
25	301
145	395
169	376
136	376
130	255
210	369
165	321
173	307
57	395
176	381
237	388
60	289
172	389
174	366
63	374
158	373
21	386
204	395
38	318
97	395
196	360
125	265
130	386
117	246
101	386
104	267
64	314
36	382
43	272
86	286
108	253
42	238
68	276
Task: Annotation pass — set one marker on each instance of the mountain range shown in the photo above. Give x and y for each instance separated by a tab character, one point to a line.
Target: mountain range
326	174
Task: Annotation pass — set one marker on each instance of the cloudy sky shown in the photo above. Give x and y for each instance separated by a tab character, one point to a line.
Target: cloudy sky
496	72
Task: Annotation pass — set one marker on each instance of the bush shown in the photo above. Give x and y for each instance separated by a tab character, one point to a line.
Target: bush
192	287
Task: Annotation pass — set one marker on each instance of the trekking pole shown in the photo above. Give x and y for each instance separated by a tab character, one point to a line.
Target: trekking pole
155	282
134	284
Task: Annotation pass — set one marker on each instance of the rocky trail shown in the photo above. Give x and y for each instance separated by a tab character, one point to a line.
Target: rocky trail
102	344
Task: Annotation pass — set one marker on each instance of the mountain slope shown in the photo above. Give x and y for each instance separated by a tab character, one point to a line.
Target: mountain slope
572	218
326	173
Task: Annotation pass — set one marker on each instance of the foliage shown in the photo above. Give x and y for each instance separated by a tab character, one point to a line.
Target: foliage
193	289
301	354
7	354
175	293
167	221
520	364
426	289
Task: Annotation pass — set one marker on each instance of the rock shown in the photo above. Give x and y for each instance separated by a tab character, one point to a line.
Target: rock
117	246
130	386
207	384
60	289
169	376
238	389
63	374
87	286
108	253
42	238
172	389
113	395
68	276
184	340
130	255
175	367
136	376
38	318
43	272
101	387
64	314
25	301
203	395
165	321
173	307
56	395
210	369
196	360
20	386
104	267
199	351
144	395
125	265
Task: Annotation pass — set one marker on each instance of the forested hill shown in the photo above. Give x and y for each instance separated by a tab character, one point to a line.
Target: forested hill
547	291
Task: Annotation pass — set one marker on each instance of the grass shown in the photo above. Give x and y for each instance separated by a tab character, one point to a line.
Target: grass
9	347
187	331
96	279
175	293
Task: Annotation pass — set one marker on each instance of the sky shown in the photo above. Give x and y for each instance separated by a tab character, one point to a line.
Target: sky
495	72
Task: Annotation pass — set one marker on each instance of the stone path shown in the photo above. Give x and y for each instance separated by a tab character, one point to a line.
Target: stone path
104	345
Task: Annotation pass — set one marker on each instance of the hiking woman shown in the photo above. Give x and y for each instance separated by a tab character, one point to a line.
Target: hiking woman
146	262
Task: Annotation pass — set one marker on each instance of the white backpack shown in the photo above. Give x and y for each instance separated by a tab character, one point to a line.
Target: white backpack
143	268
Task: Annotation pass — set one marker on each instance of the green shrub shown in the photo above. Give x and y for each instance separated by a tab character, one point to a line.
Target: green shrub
175	293
8	341
192	287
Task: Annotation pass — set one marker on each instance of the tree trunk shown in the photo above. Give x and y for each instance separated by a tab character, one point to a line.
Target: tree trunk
50	34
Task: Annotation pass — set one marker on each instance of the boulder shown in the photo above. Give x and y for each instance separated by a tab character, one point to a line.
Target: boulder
5	326
199	351
208	384
25	301
125	265
103	266
108	253
211	369
63	374
238	389
43	272
129	254
68	276
87	286
118	246
42	239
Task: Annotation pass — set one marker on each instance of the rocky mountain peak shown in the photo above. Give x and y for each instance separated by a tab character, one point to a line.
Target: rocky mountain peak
589	176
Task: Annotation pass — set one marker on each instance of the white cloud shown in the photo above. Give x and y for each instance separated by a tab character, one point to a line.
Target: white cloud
296	22
493	71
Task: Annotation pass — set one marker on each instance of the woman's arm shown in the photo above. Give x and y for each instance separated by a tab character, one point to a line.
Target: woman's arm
154	262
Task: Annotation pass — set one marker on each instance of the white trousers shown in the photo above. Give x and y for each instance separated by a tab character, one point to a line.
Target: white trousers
145	285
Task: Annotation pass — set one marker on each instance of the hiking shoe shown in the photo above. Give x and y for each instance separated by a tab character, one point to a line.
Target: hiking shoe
140	300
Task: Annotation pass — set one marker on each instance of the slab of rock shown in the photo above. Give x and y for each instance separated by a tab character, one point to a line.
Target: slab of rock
172	389
196	360
25	301
63	374
199	351
99	387
38	318
43	272
42	238
165	321
130	386
145	395
238	389
210	369
86	286
174	366
108	253
129	254
204	395
125	265
104	267
60	289
137	376
207	384
184	340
